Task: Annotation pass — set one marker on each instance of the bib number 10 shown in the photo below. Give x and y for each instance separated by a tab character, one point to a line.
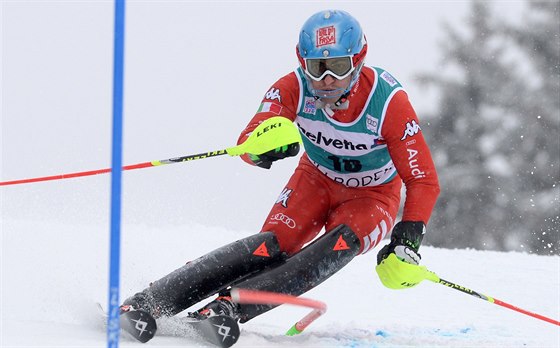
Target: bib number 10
347	165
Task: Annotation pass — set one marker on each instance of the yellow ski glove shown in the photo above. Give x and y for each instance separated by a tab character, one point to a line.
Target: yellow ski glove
397	262
397	274
265	160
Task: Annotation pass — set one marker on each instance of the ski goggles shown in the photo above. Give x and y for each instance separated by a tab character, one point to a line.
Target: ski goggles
339	67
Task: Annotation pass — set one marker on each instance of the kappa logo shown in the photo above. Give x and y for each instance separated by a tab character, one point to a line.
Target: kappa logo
272	94
284	196
412	128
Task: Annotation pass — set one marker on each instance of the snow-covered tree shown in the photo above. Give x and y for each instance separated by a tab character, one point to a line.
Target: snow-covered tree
495	136
538	40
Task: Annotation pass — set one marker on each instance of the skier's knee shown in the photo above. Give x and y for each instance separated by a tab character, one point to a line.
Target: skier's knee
306	269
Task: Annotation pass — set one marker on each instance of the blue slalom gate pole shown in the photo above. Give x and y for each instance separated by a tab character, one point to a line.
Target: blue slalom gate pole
113	324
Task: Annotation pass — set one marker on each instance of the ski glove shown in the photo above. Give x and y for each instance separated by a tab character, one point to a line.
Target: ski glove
397	262
265	160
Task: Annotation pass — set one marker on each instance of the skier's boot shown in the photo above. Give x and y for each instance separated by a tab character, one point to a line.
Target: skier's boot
223	305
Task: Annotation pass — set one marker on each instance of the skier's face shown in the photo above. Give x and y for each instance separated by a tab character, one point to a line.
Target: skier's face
330	83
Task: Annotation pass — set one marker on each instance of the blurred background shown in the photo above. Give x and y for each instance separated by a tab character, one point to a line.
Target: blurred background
483	76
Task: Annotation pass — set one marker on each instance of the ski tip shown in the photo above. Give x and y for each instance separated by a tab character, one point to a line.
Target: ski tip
139	324
220	330
101	310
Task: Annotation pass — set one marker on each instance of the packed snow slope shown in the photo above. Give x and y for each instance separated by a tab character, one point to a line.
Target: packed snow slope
54	273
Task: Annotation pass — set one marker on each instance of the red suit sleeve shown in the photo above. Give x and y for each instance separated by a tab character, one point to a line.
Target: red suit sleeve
281	99
412	158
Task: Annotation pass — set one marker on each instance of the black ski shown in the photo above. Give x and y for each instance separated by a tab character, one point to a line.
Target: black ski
139	324
219	330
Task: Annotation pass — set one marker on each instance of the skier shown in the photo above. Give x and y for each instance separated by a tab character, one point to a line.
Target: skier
362	140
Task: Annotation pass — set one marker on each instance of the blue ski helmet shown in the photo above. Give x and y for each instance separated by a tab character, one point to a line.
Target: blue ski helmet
331	34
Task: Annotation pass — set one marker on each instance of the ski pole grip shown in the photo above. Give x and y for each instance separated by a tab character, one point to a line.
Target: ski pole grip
270	134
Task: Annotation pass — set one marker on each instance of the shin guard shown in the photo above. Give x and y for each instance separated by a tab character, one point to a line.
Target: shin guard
208	275
305	270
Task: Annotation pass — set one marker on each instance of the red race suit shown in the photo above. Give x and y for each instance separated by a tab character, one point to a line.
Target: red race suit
354	164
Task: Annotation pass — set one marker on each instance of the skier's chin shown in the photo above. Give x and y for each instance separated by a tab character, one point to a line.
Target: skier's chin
329	100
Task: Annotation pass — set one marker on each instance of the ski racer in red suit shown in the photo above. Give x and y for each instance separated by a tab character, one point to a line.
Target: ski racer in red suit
362	140
333	184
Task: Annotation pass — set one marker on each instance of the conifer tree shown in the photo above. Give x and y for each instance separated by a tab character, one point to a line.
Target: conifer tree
495	134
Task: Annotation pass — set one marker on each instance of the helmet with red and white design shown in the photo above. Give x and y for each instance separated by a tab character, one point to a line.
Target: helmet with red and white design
332	43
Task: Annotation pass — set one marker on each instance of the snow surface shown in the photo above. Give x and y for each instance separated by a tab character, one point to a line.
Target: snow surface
54	273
